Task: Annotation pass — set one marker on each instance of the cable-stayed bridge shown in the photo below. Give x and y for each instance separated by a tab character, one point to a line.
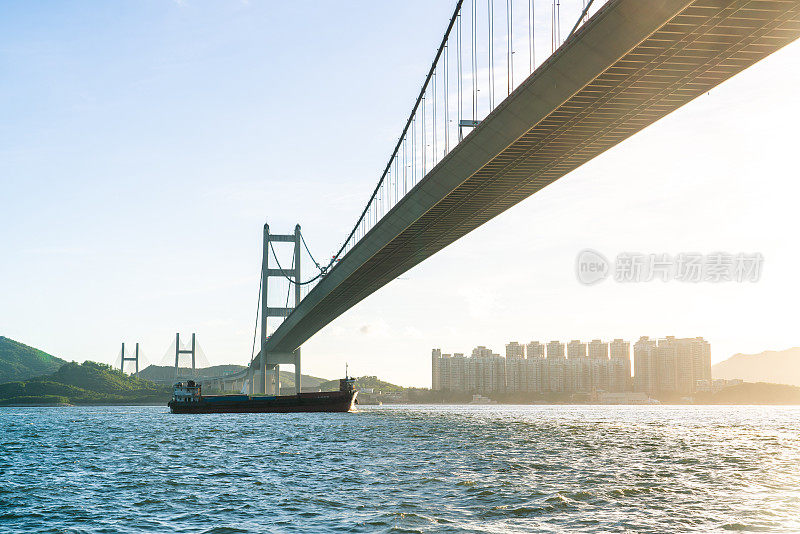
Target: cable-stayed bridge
194	358
500	136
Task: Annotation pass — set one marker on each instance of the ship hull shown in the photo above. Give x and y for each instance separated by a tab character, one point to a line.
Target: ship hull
333	401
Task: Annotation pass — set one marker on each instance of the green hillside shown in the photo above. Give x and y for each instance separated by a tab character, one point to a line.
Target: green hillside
21	362
363	382
86	383
287	380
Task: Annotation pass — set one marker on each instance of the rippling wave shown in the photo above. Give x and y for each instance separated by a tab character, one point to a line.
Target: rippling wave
402	469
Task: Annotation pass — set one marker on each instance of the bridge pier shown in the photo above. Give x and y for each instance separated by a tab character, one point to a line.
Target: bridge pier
297	373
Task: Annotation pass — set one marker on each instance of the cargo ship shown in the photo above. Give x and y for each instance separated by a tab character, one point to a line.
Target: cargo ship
187	397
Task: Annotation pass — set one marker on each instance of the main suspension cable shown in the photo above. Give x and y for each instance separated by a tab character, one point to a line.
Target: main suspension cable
583	15
382	191
404	132
289	278
303	239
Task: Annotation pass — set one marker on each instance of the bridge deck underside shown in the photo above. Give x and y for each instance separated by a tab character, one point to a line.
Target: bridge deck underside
702	45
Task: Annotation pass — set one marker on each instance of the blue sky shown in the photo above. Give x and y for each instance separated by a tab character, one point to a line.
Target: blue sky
143	145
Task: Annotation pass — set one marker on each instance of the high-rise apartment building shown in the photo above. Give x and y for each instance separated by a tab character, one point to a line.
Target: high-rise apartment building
620	352
515	350
436	378
457	373
597	350
576	349
516	374
666	366
701	356
556	375
481	351
535	349
692	362
555	350
644	365
535	374
486	372
671	365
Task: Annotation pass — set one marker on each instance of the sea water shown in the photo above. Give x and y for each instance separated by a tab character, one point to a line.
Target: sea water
402	469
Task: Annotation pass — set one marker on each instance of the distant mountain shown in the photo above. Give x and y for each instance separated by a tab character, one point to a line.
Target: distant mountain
21	362
86	383
777	367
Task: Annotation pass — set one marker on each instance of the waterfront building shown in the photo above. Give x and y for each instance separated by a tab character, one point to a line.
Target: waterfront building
490	373
576	349
701	357
535	374
668	365
534	349
691	358
671	365
515	350
457	372
556	369
471	374
555	350
498	375
436	379
447	372
481	351
516	373
644	366
620	352
597	350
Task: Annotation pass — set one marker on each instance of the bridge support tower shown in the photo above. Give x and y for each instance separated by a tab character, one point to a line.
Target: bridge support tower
179	351
134	359
269	363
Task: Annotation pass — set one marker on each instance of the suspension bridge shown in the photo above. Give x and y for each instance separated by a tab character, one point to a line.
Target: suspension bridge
491	126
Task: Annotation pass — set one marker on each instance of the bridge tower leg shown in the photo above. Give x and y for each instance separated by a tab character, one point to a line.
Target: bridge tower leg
262	370
177	352
297	297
